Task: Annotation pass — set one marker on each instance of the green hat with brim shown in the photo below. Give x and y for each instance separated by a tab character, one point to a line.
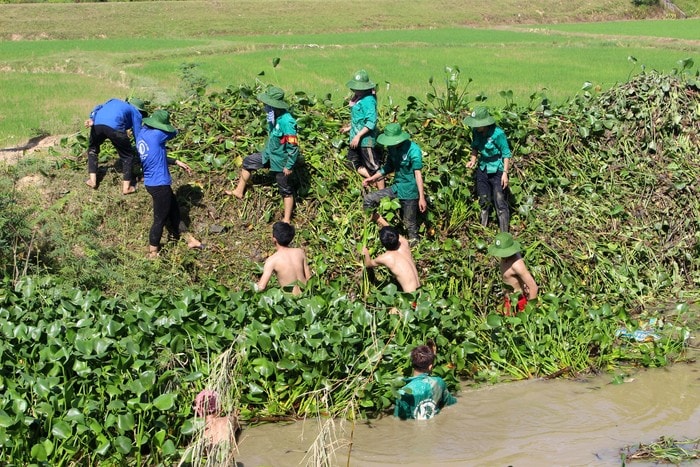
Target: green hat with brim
479	117
160	120
274	97
361	82
504	246
138	103
393	135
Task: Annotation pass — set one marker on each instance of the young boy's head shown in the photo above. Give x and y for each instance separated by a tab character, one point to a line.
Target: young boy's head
283	233
389	238
422	358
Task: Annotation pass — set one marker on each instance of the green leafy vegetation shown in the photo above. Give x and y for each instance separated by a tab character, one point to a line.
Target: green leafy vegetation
48	57
102	364
665	450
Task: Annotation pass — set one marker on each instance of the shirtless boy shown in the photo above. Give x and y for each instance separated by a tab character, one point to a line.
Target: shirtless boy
397	258
514	271
288	264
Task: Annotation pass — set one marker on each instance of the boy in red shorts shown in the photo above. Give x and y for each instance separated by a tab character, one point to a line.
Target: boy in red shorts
515	273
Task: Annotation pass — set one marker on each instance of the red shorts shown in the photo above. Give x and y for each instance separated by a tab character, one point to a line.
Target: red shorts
508	310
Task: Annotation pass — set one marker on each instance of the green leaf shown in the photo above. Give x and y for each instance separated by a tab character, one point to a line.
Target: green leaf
168	449
165	401
263	366
125	422
494	320
122	444
61	429
39	453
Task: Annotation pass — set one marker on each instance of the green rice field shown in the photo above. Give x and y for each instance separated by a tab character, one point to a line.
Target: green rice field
51	75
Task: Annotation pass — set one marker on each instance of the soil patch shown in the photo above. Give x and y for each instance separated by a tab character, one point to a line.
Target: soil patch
38	143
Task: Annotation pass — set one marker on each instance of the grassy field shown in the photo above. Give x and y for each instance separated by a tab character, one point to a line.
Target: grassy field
54	69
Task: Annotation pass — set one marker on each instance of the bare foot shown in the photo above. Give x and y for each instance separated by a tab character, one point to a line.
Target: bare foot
234	193
194	243
92	185
132	189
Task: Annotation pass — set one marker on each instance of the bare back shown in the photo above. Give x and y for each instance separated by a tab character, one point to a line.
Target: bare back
516	275
400	263
289	265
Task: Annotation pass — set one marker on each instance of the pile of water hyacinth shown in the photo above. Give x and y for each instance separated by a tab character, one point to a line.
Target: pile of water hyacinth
603	201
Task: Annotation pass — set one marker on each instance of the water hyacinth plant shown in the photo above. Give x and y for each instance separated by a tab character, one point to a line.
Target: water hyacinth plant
108	374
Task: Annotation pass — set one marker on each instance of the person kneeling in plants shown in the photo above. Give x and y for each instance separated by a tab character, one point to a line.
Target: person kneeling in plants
405	160
281	151
397	258
150	143
288	264
515	273
424	395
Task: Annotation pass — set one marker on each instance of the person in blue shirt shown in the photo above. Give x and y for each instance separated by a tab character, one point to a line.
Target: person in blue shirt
111	121
156	131
489	149
424	395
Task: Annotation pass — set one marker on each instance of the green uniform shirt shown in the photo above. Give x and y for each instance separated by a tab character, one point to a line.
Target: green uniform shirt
364	114
403	159
282	148
492	149
422	398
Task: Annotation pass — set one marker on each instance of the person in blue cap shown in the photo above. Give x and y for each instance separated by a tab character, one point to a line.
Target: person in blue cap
112	121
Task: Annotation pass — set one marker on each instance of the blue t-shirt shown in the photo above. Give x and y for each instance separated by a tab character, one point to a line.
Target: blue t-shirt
118	115
154	160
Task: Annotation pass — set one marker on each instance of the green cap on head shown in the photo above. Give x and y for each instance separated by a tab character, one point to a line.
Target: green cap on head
138	103
504	246
360	81
479	117
274	97
160	120
393	135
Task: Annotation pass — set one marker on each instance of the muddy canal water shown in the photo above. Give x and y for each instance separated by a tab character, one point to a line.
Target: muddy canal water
529	423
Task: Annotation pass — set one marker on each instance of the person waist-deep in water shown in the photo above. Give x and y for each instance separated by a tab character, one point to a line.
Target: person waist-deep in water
490	155
397	257
424	395
221	432
288	264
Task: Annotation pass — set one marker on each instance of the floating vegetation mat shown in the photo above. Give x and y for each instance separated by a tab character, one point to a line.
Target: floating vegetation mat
665	449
